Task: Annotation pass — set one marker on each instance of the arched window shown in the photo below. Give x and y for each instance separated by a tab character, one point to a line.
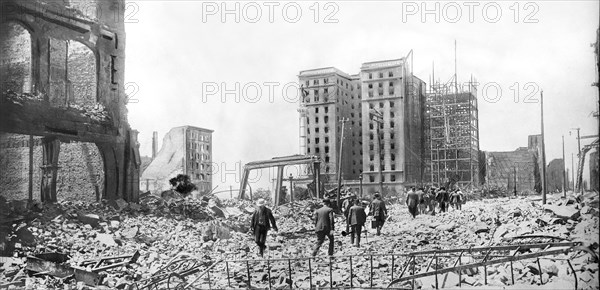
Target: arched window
15	58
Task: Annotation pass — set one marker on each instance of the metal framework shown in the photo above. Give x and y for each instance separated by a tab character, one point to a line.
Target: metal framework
176	274
281	163
452	135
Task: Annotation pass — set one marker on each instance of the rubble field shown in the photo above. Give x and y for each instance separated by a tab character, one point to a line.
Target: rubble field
163	230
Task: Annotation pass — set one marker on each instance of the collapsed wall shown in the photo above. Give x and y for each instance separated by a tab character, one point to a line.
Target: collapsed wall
168	162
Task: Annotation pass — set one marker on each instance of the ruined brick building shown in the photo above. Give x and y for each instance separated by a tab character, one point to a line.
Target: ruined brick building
63	119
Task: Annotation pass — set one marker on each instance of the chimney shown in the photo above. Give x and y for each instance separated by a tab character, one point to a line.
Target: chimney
154	144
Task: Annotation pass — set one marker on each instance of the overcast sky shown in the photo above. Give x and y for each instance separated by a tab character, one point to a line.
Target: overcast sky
182	55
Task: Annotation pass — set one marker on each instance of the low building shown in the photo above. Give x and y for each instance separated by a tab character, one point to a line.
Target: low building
515	170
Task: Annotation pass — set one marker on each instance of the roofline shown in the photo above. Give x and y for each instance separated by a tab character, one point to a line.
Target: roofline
335	71
193	127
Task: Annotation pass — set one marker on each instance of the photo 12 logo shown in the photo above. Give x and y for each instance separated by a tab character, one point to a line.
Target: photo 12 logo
454	12
254	12
250	92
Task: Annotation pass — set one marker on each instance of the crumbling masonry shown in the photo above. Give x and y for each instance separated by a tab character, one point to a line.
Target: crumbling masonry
62	101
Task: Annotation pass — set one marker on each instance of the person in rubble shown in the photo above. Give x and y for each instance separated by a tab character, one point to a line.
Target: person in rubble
456	199
431	203
379	212
412	201
442	198
346	205
356	219
421	206
324	226
262	221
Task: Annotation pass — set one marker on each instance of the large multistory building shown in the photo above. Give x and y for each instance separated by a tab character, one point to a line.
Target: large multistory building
330	98
392	143
185	150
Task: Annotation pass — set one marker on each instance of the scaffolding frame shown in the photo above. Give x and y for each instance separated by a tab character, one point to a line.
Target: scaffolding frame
452	134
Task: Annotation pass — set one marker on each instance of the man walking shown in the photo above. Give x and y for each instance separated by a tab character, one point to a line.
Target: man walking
262	220
377	208
412	201
324	226
346	205
442	199
356	219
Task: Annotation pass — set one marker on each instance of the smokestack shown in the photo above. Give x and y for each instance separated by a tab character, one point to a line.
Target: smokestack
154	144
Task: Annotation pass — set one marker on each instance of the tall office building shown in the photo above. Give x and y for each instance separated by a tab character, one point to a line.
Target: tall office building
390	90
382	87
331	96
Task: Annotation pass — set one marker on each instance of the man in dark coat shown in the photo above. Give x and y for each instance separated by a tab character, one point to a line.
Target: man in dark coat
379	212
442	198
346	205
356	219
324	226
262	220
412	201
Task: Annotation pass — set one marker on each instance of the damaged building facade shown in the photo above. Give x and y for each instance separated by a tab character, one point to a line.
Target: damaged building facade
64	132
185	150
514	170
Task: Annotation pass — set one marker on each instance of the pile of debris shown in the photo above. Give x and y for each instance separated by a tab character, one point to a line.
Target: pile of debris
21	98
95	112
117	244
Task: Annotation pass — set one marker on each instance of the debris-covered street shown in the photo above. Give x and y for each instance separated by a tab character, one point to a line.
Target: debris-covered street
163	232
150	145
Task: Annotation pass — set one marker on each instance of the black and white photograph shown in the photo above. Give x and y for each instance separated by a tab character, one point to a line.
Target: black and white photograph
397	144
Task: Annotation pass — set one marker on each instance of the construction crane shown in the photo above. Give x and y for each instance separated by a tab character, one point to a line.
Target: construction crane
581	163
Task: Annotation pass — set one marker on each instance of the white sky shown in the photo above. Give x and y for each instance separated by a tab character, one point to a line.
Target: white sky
172	54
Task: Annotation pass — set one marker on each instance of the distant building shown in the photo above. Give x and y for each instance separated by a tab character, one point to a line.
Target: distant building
383	87
185	150
329	96
520	167
554	175
594	173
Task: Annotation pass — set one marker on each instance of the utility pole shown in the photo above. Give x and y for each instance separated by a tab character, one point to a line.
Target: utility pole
564	165
515	180
377	117
578	156
573	172
339	169
291	190
360	178
578	140
543	149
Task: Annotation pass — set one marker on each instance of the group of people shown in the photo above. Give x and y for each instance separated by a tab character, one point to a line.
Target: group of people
424	201
419	201
324	221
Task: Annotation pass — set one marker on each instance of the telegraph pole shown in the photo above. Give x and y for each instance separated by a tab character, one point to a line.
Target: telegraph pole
573	172
377	117
564	165
543	149
339	177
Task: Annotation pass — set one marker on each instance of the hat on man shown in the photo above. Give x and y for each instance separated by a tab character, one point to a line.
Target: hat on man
260	202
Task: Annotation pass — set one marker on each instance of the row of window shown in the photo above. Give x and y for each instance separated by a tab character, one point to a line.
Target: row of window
392	178
198	166
390	74
199	147
199	136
